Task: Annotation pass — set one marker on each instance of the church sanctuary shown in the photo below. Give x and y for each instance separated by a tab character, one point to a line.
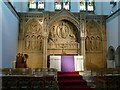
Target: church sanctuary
59	44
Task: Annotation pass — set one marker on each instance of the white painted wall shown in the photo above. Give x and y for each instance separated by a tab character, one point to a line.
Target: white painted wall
101	8
112	32
98	7
106	8
17	6
113	28
9	36
24	6
75	6
0	34
119	30
119	24
49	5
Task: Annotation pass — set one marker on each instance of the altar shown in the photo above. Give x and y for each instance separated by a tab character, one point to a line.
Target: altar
67	63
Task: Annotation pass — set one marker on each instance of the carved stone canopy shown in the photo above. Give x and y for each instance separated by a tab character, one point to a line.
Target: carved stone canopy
64	15
63	34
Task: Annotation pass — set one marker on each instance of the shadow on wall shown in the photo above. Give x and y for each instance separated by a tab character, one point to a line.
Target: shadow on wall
113	58
118	57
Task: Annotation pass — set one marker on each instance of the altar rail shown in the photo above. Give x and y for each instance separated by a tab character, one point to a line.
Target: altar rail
28	71
30	79
105	71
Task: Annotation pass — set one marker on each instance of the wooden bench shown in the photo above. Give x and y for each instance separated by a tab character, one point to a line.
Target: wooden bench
107	78
29	78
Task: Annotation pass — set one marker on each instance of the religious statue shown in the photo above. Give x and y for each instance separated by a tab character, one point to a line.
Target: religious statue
21	60
62	30
27	43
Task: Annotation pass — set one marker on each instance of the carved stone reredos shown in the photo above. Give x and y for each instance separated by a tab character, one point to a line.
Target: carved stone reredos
33	35
33	26
64	15
64	31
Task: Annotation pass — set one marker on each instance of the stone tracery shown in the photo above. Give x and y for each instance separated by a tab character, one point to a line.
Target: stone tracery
93	37
33	35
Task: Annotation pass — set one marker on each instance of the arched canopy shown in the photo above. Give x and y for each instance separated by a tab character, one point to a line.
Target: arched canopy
111	53
68	17
118	50
64	15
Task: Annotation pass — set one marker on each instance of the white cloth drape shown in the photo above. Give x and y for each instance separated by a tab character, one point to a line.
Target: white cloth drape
55	62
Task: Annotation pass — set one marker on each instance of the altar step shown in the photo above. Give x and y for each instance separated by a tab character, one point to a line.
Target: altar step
75	88
71	81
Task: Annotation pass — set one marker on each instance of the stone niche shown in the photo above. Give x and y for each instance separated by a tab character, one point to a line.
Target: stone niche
31	39
95	42
62	38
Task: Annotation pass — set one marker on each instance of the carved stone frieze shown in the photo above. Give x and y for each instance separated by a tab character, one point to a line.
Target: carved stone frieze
33	35
93	39
62	36
64	15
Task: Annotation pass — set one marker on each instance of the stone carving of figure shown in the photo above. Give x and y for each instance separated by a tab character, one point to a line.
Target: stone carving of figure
20	61
34	27
33	43
72	37
62	31
53	33
39	42
92	43
87	44
38	38
59	30
27	42
25	60
50	37
98	43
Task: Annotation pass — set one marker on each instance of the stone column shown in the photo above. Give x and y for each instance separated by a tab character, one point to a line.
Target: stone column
45	50
45	37
82	36
83	50
21	35
78	47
